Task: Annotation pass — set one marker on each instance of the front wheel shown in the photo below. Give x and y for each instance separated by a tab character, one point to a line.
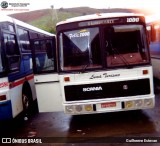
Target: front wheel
27	102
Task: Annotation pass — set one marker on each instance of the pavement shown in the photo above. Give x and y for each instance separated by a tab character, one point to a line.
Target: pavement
141	127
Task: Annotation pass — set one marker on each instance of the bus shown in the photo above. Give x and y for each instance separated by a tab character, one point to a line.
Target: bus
104	63
153	28
24	52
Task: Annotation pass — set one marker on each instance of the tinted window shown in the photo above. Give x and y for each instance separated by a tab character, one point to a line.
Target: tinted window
24	39
44	56
8	27
80	48
12	51
126	45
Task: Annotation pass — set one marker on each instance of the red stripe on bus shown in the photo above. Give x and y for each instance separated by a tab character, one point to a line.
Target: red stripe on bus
30	77
21	81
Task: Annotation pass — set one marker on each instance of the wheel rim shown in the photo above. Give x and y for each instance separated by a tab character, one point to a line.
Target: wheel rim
25	101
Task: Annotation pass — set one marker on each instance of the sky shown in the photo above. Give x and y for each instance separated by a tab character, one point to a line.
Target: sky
44	4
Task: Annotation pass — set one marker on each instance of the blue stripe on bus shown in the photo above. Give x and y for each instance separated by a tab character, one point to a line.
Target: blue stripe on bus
5	110
25	69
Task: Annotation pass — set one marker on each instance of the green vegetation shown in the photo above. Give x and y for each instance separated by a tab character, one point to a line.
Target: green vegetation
48	22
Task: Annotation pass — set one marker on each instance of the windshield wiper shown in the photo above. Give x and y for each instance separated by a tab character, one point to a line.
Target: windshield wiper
84	67
121	57
115	50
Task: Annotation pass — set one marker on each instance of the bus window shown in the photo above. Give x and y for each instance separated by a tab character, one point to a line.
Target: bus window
81	48
24	40
157	32
33	35
12	51
49	50
125	45
8	27
44	56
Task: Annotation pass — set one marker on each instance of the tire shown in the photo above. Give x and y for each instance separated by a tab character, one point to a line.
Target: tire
27	101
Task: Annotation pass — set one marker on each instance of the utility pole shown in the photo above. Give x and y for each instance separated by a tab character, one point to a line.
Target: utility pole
54	12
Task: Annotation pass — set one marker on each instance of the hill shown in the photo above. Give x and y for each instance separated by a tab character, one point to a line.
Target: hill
46	19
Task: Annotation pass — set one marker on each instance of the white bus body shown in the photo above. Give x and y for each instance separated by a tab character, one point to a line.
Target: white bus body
104	64
17	85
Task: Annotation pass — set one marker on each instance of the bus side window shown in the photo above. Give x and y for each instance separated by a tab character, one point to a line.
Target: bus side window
49	50
44	56
10	46
12	52
24	39
155	33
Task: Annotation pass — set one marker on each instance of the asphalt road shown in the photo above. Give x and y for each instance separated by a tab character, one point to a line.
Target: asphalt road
117	128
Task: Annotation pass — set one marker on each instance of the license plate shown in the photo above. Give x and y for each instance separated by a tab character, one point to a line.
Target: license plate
108	106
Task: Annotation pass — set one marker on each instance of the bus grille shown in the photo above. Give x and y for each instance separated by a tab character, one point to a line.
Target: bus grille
107	90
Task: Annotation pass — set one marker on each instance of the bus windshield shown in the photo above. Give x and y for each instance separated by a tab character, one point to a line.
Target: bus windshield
123	45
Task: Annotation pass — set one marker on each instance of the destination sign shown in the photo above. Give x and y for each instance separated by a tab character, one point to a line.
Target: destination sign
98	22
101	21
111	21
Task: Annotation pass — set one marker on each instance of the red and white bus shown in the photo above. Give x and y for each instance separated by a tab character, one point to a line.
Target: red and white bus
153	28
104	63
23	49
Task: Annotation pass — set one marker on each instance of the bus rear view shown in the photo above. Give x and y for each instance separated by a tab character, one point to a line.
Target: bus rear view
104	64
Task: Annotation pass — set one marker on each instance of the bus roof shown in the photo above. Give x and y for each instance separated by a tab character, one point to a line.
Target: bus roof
4	18
97	16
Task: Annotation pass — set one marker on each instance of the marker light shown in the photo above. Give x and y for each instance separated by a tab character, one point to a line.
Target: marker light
148	28
145	72
2	97
129	104
66	79
88	107
156	27
98	14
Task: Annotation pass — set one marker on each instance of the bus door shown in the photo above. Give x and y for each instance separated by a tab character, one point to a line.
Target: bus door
46	76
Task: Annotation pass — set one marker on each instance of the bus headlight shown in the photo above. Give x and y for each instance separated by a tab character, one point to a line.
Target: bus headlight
138	103
129	104
88	107
148	102
69	109
78	108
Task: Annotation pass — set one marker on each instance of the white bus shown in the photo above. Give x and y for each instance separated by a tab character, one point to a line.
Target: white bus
104	64
17	85
153	28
